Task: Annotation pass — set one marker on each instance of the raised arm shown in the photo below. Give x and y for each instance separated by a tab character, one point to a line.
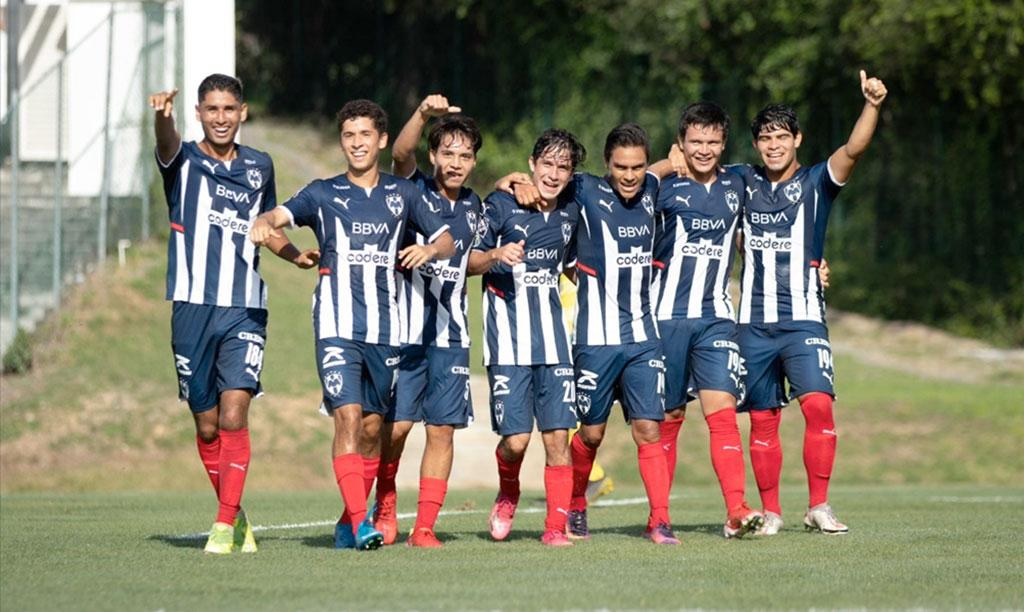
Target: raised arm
403	151
842	162
168	139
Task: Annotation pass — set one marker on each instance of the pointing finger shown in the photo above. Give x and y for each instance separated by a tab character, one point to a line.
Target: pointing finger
864	78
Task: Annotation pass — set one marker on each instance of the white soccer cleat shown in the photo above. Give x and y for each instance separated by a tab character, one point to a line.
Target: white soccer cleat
772	525
822	519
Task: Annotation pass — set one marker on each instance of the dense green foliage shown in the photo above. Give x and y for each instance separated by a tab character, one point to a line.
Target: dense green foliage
18	357
910	548
930	228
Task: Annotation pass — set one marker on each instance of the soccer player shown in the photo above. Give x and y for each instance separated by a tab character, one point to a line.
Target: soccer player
783	331
434	368
695	232
617	352
215	189
359	218
527	351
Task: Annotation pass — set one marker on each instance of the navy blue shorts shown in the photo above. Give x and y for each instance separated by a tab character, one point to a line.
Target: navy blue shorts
633	373
519	394
797	352
216	349
700	354
433	386
356	372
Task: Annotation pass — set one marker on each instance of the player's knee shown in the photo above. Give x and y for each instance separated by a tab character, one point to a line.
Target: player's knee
646	431
513	447
591	438
440	436
764	423
817	408
207	432
677	414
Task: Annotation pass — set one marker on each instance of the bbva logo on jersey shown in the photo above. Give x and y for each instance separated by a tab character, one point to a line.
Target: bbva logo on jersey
255	178
394	202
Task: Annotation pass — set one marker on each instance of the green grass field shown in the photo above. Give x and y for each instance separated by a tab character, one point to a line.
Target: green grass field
956	548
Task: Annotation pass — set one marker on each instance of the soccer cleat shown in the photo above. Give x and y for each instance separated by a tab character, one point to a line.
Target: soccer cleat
243	537
744	522
555	539
344	539
598	488
662	535
501	518
367	537
221	540
423	537
385	520
773	524
576	525
822	519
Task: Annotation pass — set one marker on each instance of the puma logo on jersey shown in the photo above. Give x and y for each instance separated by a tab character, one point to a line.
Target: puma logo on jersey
751	192
829	432
344	202
759	442
684	199
209	165
237	466
734	448
522	229
606	204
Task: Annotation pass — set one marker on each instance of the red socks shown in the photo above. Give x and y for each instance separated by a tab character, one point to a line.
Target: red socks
508	477
558	491
386	473
727	456
370	467
349	476
669	431
652	463
232	468
583	459
210	454
432	497
819	445
766	456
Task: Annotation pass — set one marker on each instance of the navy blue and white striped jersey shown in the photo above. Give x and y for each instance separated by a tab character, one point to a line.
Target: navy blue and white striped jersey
359	231
614	248
694	246
523	322
784	239
211	205
432	298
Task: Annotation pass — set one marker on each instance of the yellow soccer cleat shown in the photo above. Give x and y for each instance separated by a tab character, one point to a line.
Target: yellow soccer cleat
243	537
221	540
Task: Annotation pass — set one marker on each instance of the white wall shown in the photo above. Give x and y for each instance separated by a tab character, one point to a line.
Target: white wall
209	47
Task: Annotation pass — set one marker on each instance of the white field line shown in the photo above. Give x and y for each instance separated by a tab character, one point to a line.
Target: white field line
993	499
402	516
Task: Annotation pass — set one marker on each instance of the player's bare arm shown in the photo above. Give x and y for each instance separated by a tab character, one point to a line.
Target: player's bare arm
663	168
678	160
403	151
168	139
284	249
265	228
441	248
842	162
483	261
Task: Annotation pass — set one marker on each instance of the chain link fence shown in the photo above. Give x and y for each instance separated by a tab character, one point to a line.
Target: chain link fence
77	181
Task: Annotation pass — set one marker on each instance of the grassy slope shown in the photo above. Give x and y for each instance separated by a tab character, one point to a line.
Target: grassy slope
910	548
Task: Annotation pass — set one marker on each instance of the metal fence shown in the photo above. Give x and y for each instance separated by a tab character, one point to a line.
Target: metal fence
77	177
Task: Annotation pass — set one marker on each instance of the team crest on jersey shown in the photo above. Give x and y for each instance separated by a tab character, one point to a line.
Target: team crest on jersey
394	202
499	412
183	388
471	221
567	232
333	382
648	204
793	191
255	178
732	200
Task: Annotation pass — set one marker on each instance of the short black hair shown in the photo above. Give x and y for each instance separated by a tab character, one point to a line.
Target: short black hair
627	135
704	114
454	123
774	117
219	82
556	139
363	108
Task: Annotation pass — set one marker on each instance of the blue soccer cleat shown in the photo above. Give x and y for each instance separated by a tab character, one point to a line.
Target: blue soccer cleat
344	539
368	537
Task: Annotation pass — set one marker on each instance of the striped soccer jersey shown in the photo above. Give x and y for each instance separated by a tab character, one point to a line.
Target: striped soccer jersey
211	205
523	322
358	231
694	246
614	262
432	298
784	237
